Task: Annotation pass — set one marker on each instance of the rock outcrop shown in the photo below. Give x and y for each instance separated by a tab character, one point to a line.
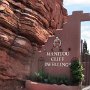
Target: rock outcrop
23	25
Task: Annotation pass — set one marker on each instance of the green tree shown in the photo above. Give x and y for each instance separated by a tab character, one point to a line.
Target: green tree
85	50
76	72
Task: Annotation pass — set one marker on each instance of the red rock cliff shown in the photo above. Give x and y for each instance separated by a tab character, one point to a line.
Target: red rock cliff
24	23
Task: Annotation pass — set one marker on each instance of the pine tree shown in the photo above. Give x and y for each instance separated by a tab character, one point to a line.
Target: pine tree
85	51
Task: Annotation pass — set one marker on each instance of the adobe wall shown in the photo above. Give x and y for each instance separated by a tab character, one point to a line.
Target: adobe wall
70	39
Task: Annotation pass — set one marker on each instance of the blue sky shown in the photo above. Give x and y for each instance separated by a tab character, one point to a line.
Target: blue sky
80	5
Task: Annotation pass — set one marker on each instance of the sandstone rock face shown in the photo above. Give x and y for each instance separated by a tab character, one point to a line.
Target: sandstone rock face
23	24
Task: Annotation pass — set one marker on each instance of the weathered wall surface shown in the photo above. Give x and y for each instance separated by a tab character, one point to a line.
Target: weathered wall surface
24	24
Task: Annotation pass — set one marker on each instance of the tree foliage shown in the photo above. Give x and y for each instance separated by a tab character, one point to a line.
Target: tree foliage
76	71
85	50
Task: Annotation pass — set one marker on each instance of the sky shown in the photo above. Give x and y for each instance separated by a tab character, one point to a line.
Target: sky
80	5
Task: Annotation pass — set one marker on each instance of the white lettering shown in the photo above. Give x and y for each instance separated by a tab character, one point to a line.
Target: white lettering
57	58
57	53
48	53
47	64
57	64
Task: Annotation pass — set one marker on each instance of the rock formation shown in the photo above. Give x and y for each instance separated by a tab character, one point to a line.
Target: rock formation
25	24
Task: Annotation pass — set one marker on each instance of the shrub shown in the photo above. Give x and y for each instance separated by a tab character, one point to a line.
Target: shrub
76	72
39	77
42	77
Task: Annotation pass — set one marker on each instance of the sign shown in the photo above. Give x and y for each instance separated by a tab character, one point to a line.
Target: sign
57	59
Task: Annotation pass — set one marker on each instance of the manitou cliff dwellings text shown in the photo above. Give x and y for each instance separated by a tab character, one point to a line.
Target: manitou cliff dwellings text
57	59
